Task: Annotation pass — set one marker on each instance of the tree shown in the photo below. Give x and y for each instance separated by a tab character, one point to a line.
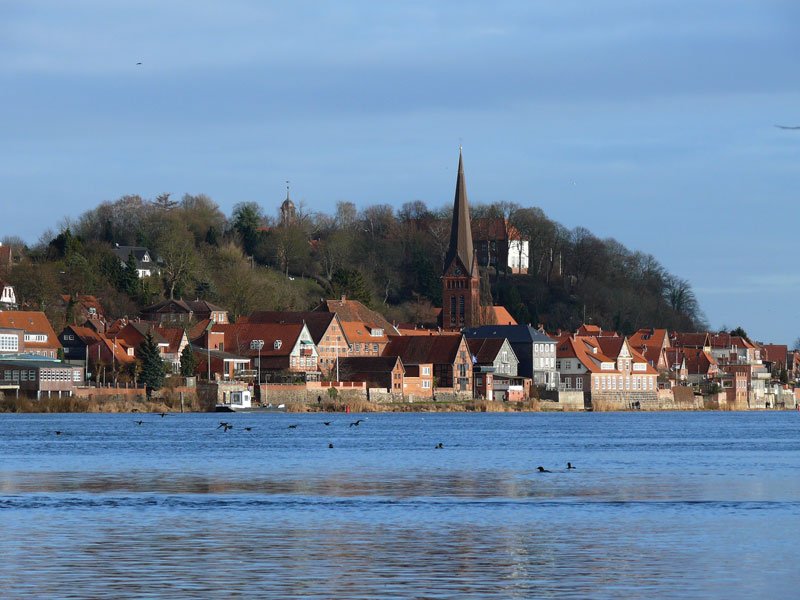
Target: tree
179	260
740	332
129	282
247	219
163	203
188	361
152	375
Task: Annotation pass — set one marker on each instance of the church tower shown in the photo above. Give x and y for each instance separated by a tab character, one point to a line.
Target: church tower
460	278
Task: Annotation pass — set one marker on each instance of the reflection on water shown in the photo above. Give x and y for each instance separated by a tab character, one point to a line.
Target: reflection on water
661	506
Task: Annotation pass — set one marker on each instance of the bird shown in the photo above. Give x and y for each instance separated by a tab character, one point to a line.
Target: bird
248	429
543	470
138	422
138	63
326	423
569	465
293	426
356	423
330	445
439	446
163	414
788	126
224	425
59	432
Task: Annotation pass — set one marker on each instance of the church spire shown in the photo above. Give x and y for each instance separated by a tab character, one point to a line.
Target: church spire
460	230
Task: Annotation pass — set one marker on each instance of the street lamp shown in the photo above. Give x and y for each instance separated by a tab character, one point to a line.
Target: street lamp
258	345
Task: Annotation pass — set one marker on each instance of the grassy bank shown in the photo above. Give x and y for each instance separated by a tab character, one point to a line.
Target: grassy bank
100	404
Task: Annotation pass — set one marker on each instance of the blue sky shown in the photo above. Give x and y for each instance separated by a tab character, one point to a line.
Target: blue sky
649	122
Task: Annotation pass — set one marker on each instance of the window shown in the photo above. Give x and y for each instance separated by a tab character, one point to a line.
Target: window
461	308
357	347
35	337
536	347
452	309
567	382
579	383
558	364
277	345
426	371
9	342
426	384
376	332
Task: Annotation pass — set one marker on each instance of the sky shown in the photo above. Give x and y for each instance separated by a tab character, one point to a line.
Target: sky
652	123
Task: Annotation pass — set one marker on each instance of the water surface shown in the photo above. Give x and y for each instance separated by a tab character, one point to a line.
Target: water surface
677	505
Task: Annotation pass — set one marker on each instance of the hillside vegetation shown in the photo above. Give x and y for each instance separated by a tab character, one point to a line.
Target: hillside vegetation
389	259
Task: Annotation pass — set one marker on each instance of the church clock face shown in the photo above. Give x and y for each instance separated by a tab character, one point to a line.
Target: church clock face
457	271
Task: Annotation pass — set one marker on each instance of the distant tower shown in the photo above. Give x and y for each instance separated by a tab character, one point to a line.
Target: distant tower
460	278
288	212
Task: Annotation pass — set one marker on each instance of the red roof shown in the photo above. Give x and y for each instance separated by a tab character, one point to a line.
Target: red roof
238	337
420	349
31	322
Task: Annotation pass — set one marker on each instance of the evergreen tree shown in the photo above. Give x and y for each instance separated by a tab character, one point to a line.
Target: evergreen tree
188	361
152	375
130	277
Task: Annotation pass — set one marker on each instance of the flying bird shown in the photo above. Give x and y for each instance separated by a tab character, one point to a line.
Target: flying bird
326	423
59	432
542	470
163	414
356	423
788	126
248	429
294	426
138	63
569	465
224	425
138	422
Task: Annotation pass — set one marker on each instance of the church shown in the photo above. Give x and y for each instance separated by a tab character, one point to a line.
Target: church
461	283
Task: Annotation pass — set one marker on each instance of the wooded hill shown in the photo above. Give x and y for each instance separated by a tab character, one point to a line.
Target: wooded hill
389	259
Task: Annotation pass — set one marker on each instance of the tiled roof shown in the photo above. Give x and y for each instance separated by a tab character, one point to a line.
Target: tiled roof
414	350
317	322
516	334
502	316
31	322
355	311
239	335
650	337
173	337
690	340
485	350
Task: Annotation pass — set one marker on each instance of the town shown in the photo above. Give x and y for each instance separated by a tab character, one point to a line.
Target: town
469	352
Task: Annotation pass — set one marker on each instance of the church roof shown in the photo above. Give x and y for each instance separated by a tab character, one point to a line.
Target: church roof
460	230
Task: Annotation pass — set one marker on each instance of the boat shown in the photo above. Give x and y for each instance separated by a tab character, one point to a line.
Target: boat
242	402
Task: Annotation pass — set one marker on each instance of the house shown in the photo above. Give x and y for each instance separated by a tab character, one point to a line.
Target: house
606	368
535	350
385	372
499	244
701	366
8	299
326	330
276	350
184	312
365	330
177	340
145	265
653	344
39	337
775	357
447	354
39	376
221	365
80	308
133	333
494	367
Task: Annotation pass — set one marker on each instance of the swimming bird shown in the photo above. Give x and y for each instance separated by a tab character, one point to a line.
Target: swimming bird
293	426
330	445
543	470
248	429
439	446
326	423
569	465
59	432
356	423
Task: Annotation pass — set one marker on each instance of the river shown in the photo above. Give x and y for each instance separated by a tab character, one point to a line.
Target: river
667	505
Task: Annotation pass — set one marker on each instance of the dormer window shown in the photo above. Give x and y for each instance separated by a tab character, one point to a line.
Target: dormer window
376	332
277	345
146	258
92	311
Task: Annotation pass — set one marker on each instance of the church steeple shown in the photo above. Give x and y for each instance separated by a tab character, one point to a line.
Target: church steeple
460	229
460	279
